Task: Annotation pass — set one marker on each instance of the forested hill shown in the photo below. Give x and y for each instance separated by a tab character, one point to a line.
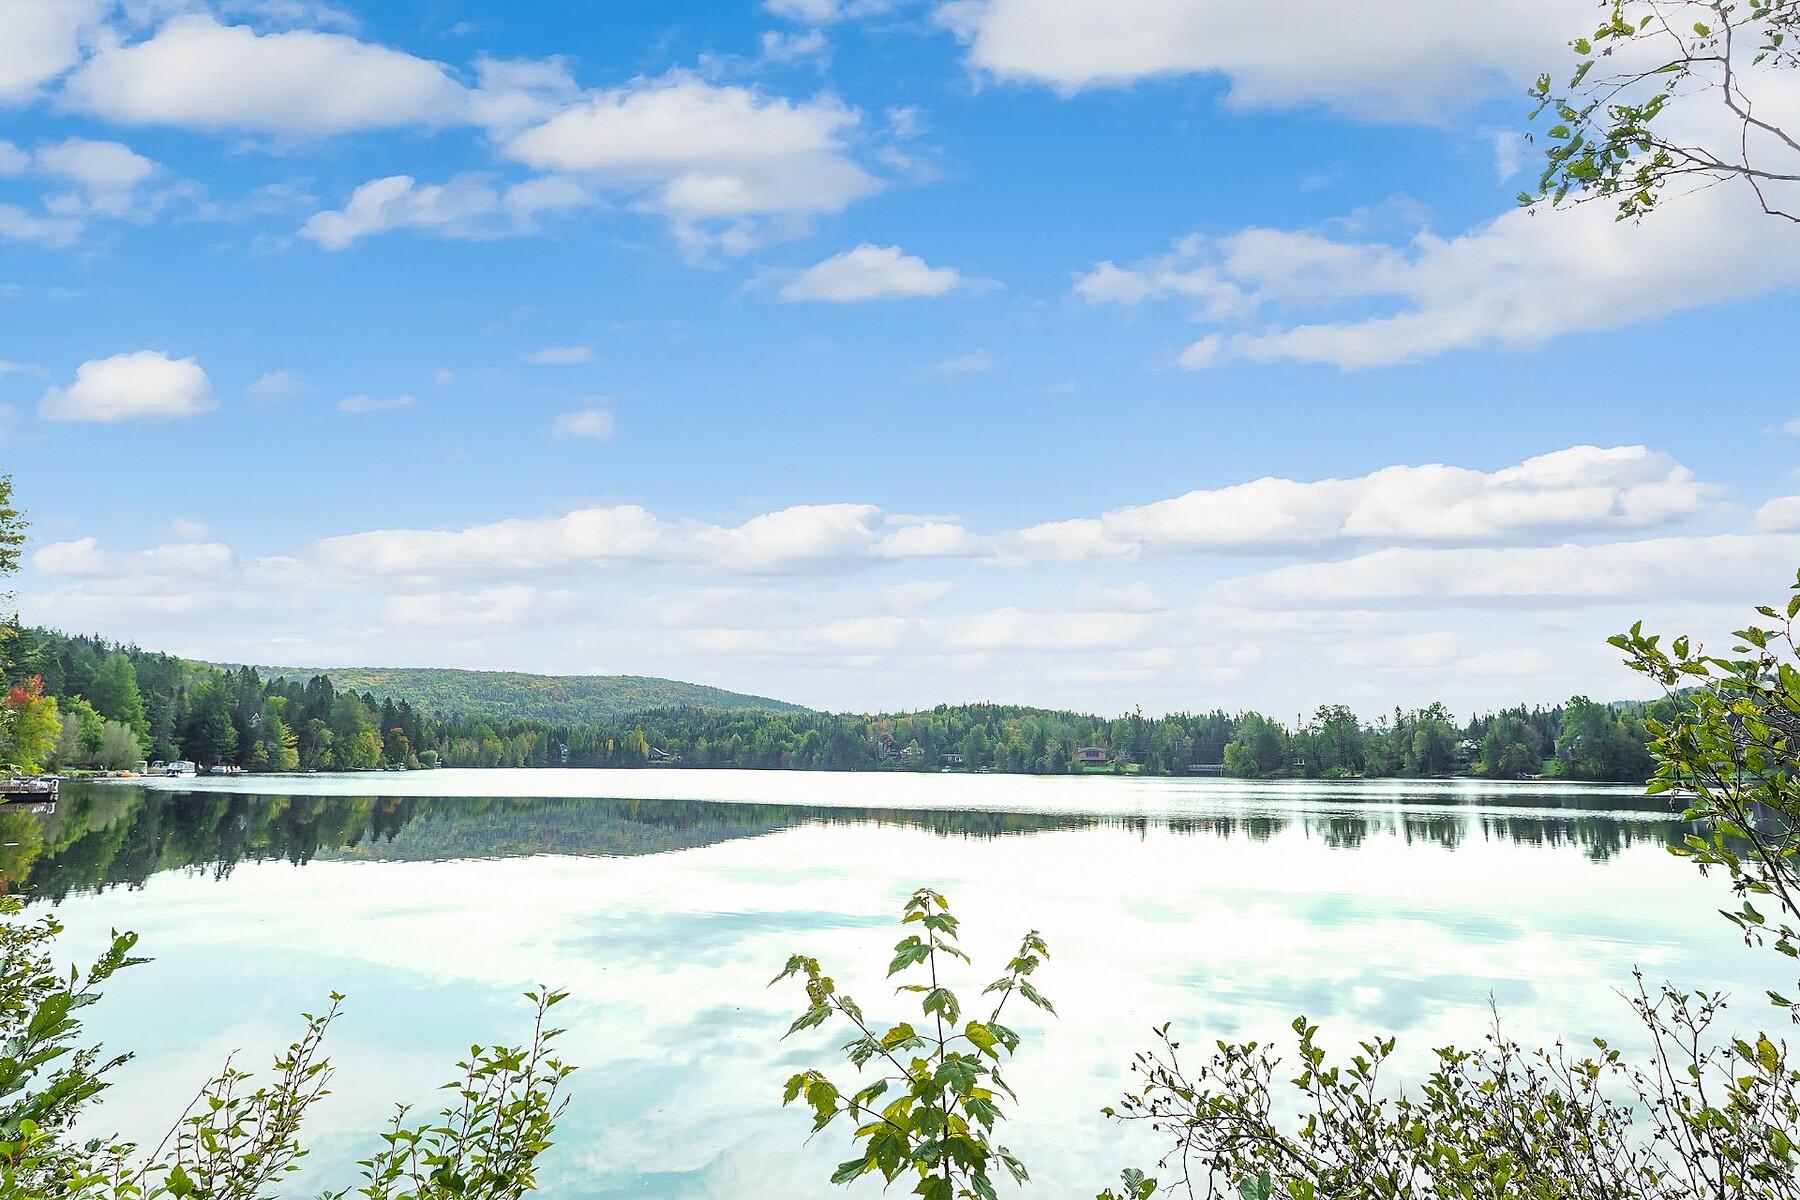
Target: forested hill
514	695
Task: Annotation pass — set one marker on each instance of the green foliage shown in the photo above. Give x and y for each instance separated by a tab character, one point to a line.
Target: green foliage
1730	750
1610	135
30	727
486	1144
930	1113
239	1138
1707	1117
12	528
45	1077
1599	744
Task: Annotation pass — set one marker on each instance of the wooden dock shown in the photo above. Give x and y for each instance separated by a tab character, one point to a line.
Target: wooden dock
29	790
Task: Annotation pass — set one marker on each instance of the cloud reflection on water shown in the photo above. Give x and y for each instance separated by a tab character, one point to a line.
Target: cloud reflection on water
1402	915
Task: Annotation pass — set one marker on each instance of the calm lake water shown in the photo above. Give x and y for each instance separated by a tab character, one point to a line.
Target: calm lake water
665	901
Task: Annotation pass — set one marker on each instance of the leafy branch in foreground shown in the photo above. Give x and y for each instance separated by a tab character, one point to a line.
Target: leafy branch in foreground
1666	91
239	1138
1729	753
945	1079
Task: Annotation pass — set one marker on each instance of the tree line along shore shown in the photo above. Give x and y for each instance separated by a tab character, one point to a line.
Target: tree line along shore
83	703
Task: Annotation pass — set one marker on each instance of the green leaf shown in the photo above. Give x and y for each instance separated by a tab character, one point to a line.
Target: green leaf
846	1171
957	1073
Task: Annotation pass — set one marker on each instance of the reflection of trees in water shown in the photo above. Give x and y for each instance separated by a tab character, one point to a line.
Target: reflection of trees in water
108	836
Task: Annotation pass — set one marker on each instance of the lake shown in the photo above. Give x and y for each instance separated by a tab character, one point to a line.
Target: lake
664	901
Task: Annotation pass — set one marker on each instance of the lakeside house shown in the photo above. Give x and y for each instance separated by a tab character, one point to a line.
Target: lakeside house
1091	756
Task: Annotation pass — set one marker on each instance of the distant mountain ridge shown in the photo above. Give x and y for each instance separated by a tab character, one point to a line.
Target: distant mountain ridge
505	695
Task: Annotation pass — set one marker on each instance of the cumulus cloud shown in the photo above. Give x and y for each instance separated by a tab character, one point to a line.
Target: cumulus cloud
279	385
1581	489
1779	515
591	424
713	159
728	166
84	178
43	38
1420	59
108	166
198	73
19	225
585	537
975	362
369	404
1718	567
145	384
559	355
871	272
107	177
1520	280
84	557
823	12
778	47
470	205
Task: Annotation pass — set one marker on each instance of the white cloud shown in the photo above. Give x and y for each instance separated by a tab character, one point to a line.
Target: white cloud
1420	59
871	272
932	539
42	39
83	557
1779	515
102	178
593	424
802	537
107	177
1581	489
1520	280
585	537
1175	274
279	385
189	529
512	94
824	12
18	225
1717	567
789	47
1509	155
99	165
714	160
467	206
198	73
559	355
144	384
369	404
811	11
975	362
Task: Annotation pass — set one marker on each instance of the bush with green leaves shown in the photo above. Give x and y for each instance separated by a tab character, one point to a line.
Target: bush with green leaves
931	1111
239	1138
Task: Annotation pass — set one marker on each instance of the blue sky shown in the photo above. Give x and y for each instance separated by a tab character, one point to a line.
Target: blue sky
869	353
